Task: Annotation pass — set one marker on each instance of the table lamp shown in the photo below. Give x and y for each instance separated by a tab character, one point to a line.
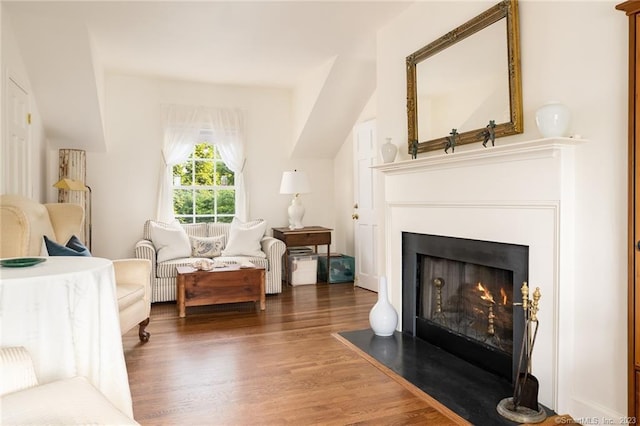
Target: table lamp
296	183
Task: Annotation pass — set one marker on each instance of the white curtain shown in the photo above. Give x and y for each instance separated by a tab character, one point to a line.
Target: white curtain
227	127
182	128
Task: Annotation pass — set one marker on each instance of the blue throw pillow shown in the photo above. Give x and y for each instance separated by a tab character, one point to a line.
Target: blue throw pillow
75	244
73	248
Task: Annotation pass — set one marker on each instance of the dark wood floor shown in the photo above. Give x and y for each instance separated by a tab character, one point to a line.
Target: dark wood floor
234	365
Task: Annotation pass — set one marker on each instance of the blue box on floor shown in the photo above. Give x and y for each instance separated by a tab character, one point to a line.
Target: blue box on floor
342	268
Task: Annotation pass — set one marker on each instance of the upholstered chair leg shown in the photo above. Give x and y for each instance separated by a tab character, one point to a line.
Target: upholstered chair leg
144	335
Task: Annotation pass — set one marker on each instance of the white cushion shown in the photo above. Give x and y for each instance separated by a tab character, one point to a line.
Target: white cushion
171	241
207	246
244	238
64	402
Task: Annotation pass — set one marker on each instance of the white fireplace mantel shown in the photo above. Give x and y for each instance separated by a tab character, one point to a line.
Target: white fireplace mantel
490	154
519	193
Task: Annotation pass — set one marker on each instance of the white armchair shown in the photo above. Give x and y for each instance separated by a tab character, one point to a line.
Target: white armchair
23	222
72	401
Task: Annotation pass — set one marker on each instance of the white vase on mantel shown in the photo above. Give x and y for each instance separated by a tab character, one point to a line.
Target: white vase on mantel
388	151
383	318
552	119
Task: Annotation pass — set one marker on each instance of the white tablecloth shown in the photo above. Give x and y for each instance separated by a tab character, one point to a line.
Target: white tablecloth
65	312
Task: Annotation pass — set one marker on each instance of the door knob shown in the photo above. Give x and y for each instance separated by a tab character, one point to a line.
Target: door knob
355	216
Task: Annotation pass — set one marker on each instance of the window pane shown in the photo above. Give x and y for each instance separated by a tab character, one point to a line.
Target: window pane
204	202
182	174
204	173
223	170
205	219
226	201
177	171
182	202
225	219
204	150
187	173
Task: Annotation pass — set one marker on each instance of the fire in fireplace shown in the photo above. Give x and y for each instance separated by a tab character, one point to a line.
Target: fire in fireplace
459	294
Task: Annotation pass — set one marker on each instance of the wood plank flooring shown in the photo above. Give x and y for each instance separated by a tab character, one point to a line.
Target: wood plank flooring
235	365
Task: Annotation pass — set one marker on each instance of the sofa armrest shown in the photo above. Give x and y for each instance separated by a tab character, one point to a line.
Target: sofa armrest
16	370
145	249
274	249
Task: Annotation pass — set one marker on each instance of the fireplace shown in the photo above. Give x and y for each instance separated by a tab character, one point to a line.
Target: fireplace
518	192
462	295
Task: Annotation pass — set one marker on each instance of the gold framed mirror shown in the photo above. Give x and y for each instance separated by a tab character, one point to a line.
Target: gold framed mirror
466	78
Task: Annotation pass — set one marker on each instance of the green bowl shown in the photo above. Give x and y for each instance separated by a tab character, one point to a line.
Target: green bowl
21	262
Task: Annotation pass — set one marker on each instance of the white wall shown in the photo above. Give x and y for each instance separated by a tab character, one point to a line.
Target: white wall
124	179
579	56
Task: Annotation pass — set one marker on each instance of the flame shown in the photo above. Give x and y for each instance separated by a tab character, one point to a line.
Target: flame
486	294
504	296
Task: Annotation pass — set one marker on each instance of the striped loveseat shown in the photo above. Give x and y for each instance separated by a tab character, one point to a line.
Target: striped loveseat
163	277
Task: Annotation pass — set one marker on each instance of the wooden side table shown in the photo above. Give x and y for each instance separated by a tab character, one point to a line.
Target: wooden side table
307	236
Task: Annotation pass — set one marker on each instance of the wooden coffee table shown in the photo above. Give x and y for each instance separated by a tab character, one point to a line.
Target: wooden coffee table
230	284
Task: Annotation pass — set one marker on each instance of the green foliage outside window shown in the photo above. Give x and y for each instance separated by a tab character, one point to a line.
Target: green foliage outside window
203	188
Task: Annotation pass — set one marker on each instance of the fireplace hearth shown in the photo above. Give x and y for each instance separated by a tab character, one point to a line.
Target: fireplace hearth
462	295
469	391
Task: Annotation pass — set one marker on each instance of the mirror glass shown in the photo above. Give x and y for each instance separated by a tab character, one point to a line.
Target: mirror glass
447	96
466	78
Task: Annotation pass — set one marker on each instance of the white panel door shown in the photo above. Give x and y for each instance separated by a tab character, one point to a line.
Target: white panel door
15	176
364	215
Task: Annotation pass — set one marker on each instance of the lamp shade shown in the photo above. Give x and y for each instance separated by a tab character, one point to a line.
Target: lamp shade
294	182
70	185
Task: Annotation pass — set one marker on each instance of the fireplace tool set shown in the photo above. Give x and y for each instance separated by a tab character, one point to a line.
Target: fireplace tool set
523	406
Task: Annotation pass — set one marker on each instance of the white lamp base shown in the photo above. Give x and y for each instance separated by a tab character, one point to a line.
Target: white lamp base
296	213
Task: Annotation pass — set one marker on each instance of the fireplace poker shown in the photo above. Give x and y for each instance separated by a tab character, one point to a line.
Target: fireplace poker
523	394
525	339
523	406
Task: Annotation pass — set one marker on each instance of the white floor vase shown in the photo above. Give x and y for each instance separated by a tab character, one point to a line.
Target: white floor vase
383	317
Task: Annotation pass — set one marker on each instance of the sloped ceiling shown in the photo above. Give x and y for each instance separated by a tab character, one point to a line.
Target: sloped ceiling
68	46
345	90
63	80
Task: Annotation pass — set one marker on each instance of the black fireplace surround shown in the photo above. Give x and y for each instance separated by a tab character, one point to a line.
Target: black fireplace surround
511	258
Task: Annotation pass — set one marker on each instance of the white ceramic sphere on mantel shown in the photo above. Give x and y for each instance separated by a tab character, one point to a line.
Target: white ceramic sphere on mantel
383	318
389	151
552	119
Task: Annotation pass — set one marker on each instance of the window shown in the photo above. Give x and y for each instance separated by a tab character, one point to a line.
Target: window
203	187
